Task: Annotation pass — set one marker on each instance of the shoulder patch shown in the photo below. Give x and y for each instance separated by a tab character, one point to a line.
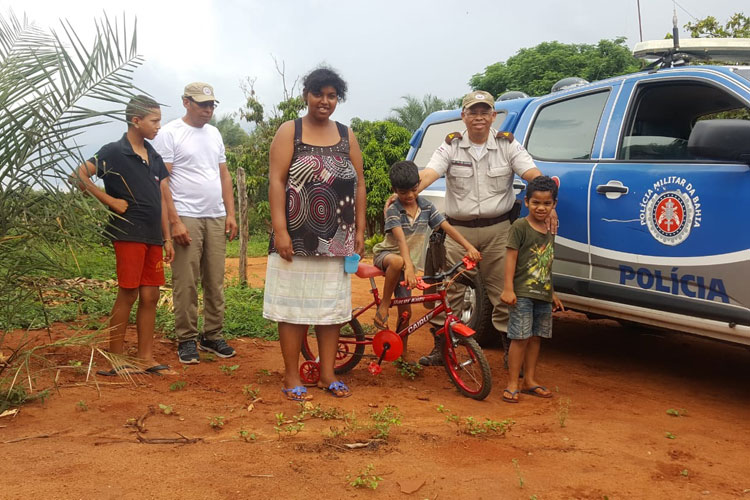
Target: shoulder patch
508	136
452	137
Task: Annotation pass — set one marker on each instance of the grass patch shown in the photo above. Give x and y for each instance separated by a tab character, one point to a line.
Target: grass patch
91	302
244	314
257	246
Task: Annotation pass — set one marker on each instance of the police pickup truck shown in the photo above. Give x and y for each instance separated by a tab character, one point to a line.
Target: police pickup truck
654	200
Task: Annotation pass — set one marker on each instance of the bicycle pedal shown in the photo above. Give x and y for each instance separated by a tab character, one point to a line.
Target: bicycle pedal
374	368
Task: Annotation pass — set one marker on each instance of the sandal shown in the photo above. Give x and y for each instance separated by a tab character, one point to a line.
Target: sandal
510	396
338	389
539	391
380	322
157	369
298	393
123	371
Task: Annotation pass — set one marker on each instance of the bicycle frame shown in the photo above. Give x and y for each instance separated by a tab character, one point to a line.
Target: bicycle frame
463	359
443	306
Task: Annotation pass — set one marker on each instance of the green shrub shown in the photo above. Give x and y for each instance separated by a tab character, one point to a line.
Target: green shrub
244	314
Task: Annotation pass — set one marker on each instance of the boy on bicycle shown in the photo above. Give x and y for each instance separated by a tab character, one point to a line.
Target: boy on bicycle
528	288
409	221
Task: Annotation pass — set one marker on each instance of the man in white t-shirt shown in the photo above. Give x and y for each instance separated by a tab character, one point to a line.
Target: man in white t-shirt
202	216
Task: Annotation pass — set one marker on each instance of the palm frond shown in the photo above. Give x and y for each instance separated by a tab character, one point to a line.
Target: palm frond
54	85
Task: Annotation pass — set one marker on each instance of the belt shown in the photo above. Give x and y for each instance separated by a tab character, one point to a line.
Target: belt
481	222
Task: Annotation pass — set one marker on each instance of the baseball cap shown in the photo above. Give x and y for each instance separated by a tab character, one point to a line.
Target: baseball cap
476	97
200	92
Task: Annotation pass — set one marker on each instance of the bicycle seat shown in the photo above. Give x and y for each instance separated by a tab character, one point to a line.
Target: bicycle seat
368	271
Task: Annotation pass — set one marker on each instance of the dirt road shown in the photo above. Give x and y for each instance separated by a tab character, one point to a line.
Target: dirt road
605	434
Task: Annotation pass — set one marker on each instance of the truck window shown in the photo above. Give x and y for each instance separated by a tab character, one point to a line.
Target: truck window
565	130
436	132
743	72
662	115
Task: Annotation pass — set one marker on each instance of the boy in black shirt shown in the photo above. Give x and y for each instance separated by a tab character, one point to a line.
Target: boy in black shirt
135	180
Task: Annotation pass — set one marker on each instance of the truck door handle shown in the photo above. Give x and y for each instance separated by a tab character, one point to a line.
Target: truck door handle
612	189
520	186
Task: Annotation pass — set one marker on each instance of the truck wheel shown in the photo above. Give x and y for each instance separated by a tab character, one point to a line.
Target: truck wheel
476	311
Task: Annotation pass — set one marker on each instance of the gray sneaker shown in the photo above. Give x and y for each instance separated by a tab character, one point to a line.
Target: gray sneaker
188	353
435	358
218	347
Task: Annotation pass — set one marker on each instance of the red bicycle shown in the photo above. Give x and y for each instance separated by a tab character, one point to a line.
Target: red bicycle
463	359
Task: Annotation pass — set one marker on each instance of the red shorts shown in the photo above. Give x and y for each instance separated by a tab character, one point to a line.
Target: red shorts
138	264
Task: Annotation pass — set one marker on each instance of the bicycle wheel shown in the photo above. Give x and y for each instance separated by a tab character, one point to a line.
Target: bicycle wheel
348	354
467	367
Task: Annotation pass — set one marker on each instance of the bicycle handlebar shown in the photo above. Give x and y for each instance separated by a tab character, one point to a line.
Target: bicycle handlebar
423	281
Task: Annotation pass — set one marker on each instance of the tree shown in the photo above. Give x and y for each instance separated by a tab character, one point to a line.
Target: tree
49	81
252	155
738	26
412	114
230	130
534	70
383	143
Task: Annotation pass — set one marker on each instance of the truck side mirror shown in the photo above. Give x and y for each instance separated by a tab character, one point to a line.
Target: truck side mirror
727	140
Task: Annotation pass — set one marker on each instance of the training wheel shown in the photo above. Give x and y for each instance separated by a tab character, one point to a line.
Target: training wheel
309	371
392	340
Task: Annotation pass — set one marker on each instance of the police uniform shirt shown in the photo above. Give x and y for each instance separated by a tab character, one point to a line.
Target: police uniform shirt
480	187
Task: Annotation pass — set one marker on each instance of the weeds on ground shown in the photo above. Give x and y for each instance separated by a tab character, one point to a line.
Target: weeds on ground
669	435
244	314
257	246
77	366
250	392
166	409
217	422
290	427
19	367
366	478
684	473
177	386
563	407
228	370
82	406
677	413
519	475
17	396
317	411
383	420
262	375
407	369
246	436
471	427
351	424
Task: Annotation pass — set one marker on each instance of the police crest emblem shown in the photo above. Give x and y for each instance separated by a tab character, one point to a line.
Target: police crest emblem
670	210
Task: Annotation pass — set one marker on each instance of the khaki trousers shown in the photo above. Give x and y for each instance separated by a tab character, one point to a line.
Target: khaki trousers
490	241
203	258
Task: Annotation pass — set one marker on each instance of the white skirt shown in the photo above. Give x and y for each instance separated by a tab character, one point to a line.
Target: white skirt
307	291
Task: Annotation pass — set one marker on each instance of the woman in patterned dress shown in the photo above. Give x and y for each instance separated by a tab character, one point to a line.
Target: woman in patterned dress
317	197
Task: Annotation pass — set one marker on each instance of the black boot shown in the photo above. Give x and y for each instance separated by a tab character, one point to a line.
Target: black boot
435	358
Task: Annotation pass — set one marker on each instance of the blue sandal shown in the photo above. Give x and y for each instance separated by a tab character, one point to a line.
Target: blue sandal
298	393
338	389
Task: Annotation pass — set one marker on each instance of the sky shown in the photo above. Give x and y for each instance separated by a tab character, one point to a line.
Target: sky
384	49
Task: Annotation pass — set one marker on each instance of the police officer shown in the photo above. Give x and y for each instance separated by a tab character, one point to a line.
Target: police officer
479	165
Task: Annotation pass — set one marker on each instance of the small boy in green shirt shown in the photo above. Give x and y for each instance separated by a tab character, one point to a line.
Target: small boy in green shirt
528	288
